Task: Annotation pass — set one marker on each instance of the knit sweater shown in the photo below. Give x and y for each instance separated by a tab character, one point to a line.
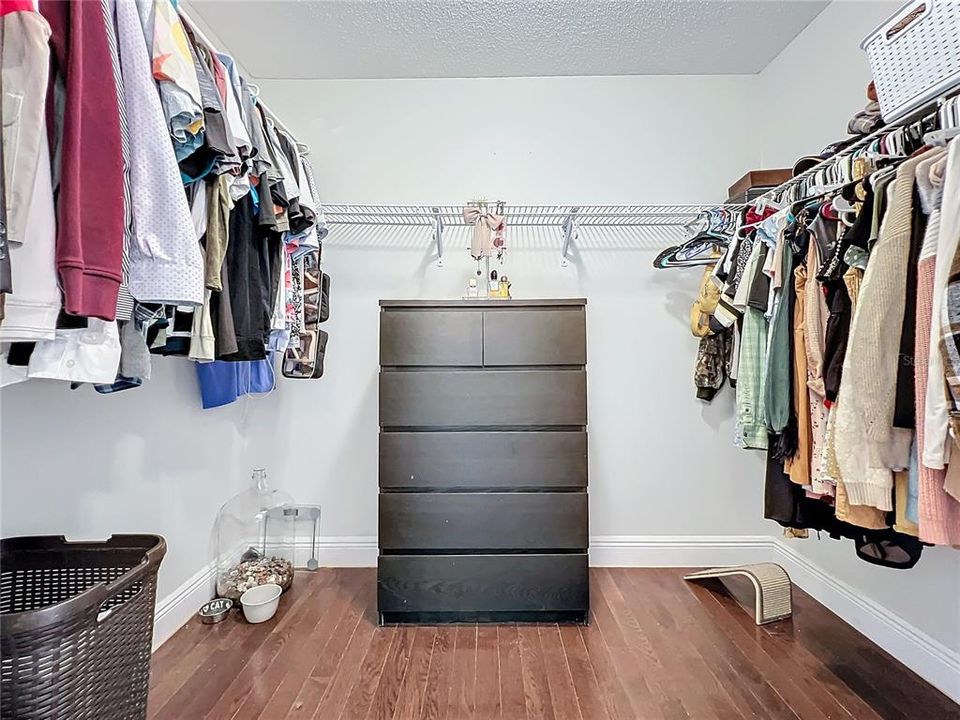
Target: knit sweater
868	446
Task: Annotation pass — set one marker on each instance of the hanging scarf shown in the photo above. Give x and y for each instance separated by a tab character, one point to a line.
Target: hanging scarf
481	245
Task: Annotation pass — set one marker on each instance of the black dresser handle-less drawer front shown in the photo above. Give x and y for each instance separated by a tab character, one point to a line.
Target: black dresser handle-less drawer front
483	521
432	337
483	398
483	461
534	337
483	587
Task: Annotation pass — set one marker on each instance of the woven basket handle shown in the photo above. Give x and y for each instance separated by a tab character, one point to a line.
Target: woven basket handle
903	22
129	579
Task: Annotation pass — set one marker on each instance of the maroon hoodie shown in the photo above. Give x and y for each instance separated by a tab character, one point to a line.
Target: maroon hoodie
90	196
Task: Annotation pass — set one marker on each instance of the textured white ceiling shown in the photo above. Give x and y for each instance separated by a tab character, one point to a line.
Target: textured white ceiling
302	39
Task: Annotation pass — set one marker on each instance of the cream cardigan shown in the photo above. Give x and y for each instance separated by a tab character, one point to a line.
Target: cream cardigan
868	446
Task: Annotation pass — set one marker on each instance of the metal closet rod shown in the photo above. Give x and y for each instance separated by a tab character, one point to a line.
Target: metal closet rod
919	115
199	35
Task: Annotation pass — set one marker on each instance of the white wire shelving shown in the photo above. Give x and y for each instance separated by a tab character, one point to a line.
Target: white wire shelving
567	219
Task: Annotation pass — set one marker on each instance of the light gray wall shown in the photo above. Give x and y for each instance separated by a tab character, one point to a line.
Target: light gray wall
661	463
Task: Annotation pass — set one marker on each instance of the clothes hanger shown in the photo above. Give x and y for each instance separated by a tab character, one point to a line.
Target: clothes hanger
717	221
941	138
762	205
840	204
947	120
948	117
689	254
765	202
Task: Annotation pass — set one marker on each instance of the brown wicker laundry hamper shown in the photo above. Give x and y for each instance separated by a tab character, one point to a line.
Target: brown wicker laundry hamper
76	627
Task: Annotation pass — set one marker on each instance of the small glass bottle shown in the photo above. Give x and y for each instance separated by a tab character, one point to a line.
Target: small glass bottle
472	291
493	289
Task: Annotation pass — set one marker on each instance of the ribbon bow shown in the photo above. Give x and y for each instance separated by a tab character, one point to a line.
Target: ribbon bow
481	245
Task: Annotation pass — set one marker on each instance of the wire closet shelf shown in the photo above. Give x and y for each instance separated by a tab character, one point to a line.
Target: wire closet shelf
654	224
568	220
522	215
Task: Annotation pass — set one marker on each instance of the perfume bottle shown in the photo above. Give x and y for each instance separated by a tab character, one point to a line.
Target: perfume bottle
472	289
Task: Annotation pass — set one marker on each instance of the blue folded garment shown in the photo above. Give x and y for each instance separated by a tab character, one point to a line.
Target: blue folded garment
221	382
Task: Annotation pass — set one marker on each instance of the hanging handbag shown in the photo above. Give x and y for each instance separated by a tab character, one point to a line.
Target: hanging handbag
301	361
324	298
322	338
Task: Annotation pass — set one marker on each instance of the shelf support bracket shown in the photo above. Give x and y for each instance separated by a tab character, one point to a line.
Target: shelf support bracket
571	230
438	234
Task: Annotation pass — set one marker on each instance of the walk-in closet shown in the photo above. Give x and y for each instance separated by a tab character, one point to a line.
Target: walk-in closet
475	359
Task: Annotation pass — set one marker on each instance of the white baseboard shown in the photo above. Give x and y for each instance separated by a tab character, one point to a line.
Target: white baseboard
677	550
358	551
929	658
174	610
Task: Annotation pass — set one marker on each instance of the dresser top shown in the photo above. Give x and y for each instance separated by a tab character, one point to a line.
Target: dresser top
485	303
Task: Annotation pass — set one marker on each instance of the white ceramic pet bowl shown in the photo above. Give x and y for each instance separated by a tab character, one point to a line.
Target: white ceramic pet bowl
260	603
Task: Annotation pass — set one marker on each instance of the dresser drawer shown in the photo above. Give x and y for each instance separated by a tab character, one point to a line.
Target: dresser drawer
439	399
483	521
488	460
431	338
535	337
483	583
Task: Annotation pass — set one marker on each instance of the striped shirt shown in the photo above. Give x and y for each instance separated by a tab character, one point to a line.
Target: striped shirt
124	298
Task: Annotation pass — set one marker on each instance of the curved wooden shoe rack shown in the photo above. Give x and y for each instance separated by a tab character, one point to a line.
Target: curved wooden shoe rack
771	583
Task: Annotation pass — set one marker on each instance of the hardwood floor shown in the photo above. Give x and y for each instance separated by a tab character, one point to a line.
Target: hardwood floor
657	648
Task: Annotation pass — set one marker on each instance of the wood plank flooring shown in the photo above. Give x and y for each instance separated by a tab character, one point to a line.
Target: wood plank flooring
657	648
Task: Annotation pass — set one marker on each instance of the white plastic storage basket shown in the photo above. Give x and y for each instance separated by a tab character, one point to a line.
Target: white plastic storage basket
915	56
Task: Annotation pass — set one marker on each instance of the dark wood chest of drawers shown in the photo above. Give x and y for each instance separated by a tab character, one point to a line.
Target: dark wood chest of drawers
483	461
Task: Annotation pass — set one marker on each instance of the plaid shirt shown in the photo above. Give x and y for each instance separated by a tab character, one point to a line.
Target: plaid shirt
752	374
950	309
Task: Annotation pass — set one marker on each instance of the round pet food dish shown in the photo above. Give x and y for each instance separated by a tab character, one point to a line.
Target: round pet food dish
260	603
216	610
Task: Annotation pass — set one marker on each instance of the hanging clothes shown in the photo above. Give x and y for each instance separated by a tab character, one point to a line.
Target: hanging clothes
869	447
176	76
250	260
28	227
221	383
950	307
166	265
24	62
798	466
30	311
125	301
777	399
858	365
88	159
938	515
142	177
